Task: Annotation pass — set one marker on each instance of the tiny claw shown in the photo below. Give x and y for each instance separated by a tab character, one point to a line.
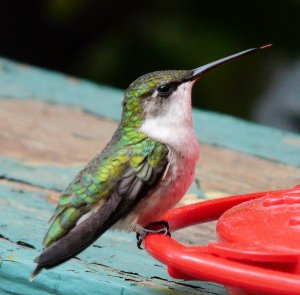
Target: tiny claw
140	239
158	227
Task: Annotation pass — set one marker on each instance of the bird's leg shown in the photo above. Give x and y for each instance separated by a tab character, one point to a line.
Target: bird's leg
158	227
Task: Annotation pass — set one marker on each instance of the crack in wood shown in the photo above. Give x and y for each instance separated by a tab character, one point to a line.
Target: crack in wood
24	244
22	186
18	180
21	243
138	279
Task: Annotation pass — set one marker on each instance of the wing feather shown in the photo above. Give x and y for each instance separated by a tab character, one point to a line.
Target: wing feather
133	184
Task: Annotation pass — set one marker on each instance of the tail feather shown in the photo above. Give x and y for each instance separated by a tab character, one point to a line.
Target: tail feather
35	273
80	237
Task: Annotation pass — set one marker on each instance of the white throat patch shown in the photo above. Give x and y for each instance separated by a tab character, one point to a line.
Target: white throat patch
174	126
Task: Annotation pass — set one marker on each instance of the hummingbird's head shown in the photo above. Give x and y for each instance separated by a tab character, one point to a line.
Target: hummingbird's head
152	93
165	96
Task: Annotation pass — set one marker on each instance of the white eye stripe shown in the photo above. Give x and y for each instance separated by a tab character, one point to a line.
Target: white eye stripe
154	94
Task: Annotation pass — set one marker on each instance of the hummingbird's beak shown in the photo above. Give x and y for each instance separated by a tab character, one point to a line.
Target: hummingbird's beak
198	72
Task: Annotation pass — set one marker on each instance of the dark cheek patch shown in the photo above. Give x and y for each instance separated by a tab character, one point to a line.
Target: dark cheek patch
155	106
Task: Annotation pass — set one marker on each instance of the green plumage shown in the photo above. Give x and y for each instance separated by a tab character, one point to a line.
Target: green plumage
98	179
115	181
128	148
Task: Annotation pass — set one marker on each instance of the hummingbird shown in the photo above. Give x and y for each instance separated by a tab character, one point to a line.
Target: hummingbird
143	171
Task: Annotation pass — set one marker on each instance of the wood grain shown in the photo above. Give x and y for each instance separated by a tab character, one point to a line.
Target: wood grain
231	172
35	131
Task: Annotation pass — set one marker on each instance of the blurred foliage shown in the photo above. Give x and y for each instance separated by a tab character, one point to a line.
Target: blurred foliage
114	42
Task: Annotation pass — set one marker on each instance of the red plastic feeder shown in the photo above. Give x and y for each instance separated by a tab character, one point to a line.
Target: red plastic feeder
258	246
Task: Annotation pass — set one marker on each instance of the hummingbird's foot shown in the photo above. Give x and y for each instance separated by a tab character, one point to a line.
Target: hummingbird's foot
158	227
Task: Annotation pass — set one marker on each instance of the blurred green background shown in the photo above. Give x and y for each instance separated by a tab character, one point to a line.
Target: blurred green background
114	42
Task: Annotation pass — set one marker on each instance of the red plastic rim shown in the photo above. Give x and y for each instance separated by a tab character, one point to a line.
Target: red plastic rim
204	263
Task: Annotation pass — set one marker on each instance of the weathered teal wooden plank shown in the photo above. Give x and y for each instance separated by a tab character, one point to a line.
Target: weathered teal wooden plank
49	177
74	278
23	82
113	265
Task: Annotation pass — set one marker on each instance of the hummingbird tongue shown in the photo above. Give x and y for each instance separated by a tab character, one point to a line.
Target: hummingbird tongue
203	69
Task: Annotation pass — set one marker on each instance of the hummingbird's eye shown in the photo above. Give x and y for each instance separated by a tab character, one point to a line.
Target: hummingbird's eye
166	89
